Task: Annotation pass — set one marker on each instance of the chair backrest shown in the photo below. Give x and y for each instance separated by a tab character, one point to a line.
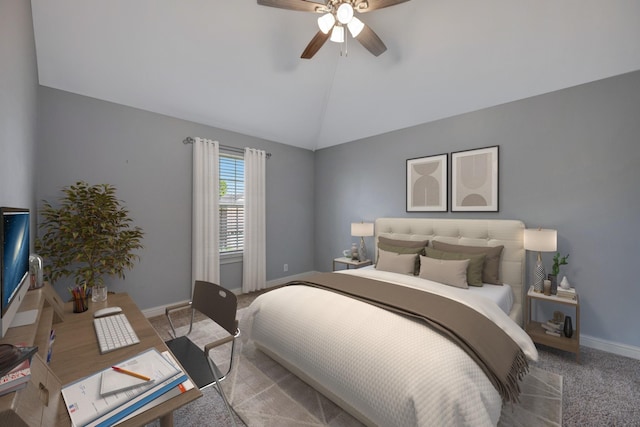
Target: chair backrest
217	303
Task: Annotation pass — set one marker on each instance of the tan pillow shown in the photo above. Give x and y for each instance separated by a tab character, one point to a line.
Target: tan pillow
491	269
474	270
403	247
448	272
396	263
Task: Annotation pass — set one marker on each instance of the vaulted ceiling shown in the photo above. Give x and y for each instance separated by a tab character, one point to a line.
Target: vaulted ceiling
236	65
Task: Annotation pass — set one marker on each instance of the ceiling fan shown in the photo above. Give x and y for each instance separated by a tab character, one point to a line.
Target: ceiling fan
336	15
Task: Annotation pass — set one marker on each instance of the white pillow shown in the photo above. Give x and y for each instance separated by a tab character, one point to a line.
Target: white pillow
448	272
396	263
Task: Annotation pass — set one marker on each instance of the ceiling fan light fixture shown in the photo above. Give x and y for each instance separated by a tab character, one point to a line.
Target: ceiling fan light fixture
337	35
344	13
325	22
355	27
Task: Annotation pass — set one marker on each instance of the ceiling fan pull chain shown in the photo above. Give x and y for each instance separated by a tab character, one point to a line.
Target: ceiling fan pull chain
346	47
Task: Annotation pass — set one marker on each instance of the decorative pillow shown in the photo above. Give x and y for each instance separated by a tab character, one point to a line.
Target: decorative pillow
491	269
474	270
403	243
396	263
403	247
448	272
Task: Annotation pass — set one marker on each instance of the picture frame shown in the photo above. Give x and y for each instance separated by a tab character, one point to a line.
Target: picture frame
427	184
474	180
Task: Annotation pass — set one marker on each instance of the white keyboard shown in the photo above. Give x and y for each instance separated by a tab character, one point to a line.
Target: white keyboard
114	332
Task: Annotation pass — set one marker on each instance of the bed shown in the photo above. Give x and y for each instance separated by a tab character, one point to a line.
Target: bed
390	366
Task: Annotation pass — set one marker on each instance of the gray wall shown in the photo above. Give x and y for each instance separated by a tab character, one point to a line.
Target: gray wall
568	160
18	105
142	154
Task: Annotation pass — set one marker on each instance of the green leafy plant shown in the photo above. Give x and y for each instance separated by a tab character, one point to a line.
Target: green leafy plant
88	236
557	262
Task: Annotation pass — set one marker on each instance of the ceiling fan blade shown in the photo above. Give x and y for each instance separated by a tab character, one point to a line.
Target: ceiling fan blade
301	5
370	40
375	4
314	45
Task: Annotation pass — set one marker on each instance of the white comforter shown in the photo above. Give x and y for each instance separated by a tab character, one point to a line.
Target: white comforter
390	369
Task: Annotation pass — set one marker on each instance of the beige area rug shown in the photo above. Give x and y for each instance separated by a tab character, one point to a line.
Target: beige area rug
263	393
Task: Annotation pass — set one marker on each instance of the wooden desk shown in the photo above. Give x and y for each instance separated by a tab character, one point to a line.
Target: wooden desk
76	353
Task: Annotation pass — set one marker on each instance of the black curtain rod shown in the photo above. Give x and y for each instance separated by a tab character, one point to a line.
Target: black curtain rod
190	140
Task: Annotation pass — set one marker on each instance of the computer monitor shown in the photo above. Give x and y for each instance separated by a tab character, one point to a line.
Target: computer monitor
14	263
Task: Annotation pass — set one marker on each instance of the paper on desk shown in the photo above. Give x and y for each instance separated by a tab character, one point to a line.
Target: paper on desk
113	380
175	391
150	398
83	398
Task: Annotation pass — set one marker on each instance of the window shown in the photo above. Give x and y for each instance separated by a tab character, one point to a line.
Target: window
231	203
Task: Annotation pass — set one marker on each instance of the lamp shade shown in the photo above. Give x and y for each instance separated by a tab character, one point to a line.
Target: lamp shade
362	229
337	34
325	22
344	13
355	26
540	239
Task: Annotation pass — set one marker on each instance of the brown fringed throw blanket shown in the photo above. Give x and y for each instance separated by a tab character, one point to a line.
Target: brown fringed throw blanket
494	351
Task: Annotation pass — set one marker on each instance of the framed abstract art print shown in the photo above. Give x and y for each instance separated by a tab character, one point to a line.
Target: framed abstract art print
427	184
474	180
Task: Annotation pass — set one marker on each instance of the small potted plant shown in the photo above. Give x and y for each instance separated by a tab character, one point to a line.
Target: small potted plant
89	235
555	270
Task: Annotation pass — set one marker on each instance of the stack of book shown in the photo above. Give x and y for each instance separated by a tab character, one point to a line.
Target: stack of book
16	379
15	367
567	293
552	327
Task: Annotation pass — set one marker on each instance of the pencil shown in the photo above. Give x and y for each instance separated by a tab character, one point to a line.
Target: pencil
133	374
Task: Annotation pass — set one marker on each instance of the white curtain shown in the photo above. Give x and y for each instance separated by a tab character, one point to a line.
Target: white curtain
205	247
254	257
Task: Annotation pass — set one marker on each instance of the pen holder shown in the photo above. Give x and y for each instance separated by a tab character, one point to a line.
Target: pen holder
80	303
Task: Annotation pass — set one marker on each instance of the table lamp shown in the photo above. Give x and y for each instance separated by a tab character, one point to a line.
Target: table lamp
362	230
541	240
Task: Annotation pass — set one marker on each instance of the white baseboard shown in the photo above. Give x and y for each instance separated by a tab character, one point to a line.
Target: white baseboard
610	346
157	311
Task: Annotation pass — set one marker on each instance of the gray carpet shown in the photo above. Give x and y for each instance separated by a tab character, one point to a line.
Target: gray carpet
602	390
265	394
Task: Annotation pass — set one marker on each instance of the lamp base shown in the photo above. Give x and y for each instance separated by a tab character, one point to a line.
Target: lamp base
539	276
362	250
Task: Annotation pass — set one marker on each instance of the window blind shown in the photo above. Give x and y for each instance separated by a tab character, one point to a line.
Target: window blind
231	203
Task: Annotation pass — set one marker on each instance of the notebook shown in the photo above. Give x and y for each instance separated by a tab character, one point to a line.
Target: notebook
113	381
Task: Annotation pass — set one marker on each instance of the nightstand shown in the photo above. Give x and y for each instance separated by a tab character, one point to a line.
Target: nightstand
350	263
537	332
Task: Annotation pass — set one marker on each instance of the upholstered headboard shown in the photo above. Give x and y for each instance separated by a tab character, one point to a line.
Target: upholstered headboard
471	232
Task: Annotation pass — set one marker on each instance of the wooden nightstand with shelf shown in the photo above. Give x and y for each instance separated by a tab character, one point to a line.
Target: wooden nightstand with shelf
350	263
537	332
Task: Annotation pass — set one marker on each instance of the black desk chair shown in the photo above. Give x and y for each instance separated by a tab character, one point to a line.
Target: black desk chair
220	305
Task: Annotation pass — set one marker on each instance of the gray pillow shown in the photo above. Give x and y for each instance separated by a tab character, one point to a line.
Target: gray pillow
396	263
491	269
403	243
474	270
448	272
